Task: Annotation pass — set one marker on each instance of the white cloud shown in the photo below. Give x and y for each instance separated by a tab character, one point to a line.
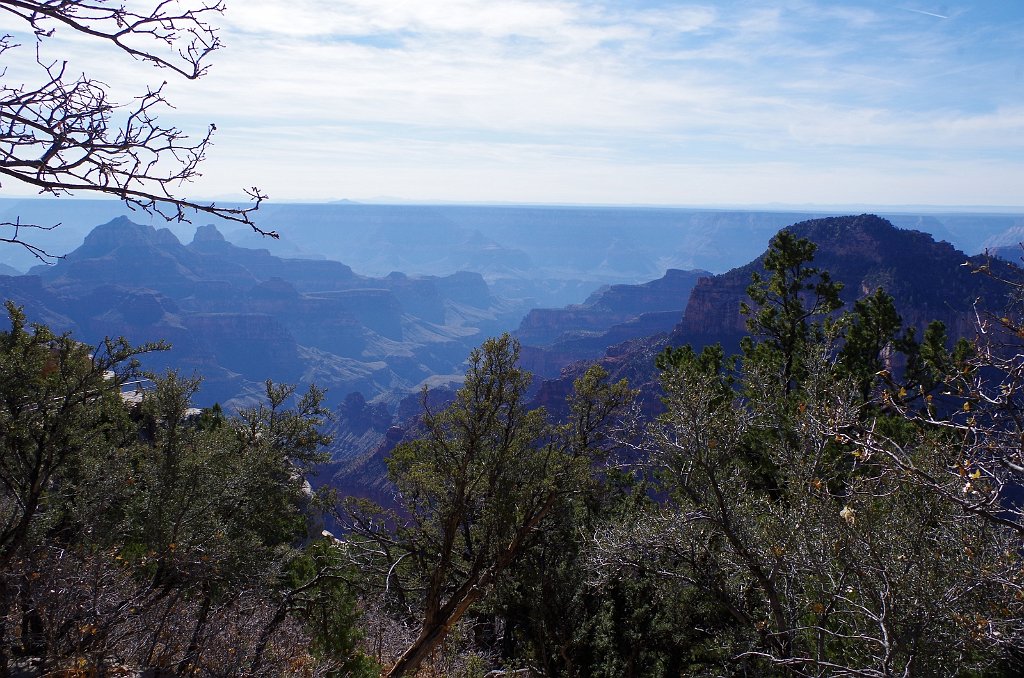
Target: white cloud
533	97
311	18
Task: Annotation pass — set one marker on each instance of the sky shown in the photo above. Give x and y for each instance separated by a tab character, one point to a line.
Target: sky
800	102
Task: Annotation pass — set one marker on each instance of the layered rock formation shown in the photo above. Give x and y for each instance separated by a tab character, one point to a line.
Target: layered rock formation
928	280
613	314
239	316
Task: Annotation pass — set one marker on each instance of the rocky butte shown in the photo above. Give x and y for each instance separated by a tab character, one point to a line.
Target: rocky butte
239	316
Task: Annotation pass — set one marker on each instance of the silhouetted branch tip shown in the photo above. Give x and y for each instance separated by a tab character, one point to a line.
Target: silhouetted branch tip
64	135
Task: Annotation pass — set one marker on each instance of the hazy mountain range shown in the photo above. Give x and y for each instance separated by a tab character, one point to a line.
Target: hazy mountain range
239	316
928	280
545	256
573	284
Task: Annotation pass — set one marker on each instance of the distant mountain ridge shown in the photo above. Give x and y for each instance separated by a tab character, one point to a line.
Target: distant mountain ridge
927	279
238	316
1008	245
553	338
554	255
609	306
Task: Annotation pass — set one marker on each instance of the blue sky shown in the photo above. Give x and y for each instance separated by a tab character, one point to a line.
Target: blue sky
724	103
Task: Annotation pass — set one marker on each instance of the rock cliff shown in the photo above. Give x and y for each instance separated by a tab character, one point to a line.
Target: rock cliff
239	315
610	315
927	279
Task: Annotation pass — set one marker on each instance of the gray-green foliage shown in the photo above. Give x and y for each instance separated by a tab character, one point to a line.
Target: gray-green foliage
216	502
320	595
148	536
790	505
58	404
833	501
479	488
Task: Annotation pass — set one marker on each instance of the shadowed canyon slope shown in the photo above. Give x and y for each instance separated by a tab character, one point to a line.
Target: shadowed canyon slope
239	316
927	279
554	337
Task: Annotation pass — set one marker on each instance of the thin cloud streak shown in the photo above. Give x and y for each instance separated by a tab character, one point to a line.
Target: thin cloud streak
921	11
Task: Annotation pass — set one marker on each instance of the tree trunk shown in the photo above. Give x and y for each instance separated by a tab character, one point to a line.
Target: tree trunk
264	640
191	657
433	635
434	632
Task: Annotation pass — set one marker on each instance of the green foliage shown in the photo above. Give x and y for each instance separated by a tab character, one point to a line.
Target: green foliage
322	597
826	503
872	332
293	433
830	502
481	488
58	402
153	535
791	508
475	474
551	610
930	364
210	505
786	304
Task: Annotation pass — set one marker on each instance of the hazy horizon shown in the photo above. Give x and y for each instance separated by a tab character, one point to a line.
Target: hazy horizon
629	243
934	208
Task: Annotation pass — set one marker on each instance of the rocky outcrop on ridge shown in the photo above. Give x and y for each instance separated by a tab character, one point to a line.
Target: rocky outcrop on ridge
239	316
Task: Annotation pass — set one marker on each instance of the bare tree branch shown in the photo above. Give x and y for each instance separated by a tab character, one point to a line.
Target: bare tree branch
63	134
